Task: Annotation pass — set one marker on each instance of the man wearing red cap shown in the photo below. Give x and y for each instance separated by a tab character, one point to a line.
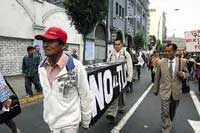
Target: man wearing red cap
67	99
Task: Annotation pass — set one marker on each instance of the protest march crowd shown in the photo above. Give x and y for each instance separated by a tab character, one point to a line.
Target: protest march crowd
68	86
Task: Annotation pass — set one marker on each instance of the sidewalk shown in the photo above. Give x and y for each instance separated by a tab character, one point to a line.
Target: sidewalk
17	82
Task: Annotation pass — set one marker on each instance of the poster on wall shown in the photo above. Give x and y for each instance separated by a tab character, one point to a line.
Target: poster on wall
192	39
89	50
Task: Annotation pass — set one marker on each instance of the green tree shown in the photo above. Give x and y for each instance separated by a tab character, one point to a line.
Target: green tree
139	40
159	46
86	13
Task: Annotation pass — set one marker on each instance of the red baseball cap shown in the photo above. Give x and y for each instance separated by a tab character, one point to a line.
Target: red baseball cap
53	33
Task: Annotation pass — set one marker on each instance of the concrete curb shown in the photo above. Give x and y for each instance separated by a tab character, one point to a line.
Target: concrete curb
28	100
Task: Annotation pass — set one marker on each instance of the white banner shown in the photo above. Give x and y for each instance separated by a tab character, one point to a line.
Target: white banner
192	39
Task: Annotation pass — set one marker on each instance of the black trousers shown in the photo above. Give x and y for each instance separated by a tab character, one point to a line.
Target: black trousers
152	75
138	68
172	107
199	83
28	84
11	124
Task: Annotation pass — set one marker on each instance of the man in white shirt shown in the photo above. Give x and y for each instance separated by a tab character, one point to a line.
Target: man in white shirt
168	82
139	65
67	99
119	54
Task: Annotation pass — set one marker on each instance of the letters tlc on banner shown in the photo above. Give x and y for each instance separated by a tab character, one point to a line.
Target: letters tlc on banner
106	83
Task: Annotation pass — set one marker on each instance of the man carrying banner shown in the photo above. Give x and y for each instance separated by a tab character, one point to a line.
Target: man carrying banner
119	54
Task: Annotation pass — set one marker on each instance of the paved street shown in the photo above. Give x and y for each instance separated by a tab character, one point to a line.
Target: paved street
146	118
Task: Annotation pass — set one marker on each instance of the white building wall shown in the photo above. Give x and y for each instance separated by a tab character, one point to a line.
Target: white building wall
15	22
21	21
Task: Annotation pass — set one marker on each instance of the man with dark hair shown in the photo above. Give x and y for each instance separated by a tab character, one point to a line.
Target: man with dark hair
67	99
168	82
174	47
30	70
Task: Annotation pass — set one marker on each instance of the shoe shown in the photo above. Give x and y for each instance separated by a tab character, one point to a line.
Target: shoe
38	90
127	90
121	111
27	96
110	118
18	131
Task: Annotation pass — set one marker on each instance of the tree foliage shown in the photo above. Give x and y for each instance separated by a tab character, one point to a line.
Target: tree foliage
86	14
139	40
160	47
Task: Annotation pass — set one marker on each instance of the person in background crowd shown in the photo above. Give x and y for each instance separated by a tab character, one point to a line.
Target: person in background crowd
37	52
191	66
5	94
139	65
74	54
119	54
168	83
144	57
157	63
67	99
152	63
197	71
134	61
30	70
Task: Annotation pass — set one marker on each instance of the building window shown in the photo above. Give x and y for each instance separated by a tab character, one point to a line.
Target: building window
117	8
57	1
130	20
134	2
120	10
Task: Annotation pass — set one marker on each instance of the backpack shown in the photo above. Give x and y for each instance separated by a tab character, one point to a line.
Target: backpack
123	55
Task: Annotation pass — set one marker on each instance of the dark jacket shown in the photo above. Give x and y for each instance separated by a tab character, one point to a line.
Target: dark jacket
30	65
